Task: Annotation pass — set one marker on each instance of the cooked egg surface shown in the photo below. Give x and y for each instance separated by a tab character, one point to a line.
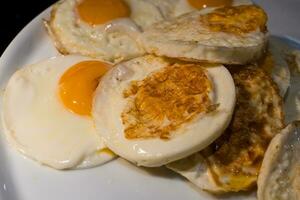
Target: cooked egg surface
100	28
292	100
239	152
170	104
237	20
43	125
156	110
279	178
233	161
274	64
195	169
231	35
175	8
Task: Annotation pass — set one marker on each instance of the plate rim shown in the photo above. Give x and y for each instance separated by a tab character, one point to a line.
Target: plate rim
10	48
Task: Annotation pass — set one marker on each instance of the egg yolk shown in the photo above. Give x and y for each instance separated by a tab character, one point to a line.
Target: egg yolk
164	101
237	20
199	4
96	12
106	151
77	85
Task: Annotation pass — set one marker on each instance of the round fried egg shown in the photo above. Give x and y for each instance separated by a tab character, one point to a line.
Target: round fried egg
152	110
274	63
233	161
47	112
292	100
229	35
100	28
279	177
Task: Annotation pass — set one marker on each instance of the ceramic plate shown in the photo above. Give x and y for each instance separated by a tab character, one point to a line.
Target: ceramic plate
23	179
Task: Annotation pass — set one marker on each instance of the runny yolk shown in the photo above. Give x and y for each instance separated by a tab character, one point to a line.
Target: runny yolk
199	4
78	83
96	12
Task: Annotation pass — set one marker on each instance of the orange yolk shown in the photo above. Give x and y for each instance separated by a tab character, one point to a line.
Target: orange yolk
77	85
199	4
96	12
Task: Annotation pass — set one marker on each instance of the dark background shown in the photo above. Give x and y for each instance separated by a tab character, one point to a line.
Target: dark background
16	14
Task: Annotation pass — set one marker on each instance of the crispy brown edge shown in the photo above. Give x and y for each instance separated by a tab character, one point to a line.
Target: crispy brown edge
51	32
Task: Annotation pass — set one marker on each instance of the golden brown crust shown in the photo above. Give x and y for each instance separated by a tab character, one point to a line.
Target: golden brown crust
290	57
237	20
165	100
51	32
258	116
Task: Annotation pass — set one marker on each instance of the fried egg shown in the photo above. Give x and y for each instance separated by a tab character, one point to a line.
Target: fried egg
233	161
228	35
47	112
279	177
175	8
186	6
292	100
152	110
274	64
100	28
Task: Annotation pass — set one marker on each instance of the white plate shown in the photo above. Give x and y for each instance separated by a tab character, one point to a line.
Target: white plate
23	179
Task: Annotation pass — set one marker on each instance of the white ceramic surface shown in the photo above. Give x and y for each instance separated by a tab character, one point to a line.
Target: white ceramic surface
23	179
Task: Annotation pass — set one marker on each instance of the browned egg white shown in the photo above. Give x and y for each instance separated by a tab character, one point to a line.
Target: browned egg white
165	100
235	158
237	20
267	63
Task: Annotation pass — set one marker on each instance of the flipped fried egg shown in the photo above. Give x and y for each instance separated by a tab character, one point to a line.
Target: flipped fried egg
292	100
228	35
276	66
152	110
279	177
233	161
47	112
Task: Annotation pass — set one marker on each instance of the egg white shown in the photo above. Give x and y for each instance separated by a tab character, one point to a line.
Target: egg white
191	137
112	41
38	125
279	176
263	101
280	72
174	8
186	37
183	6
292	100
